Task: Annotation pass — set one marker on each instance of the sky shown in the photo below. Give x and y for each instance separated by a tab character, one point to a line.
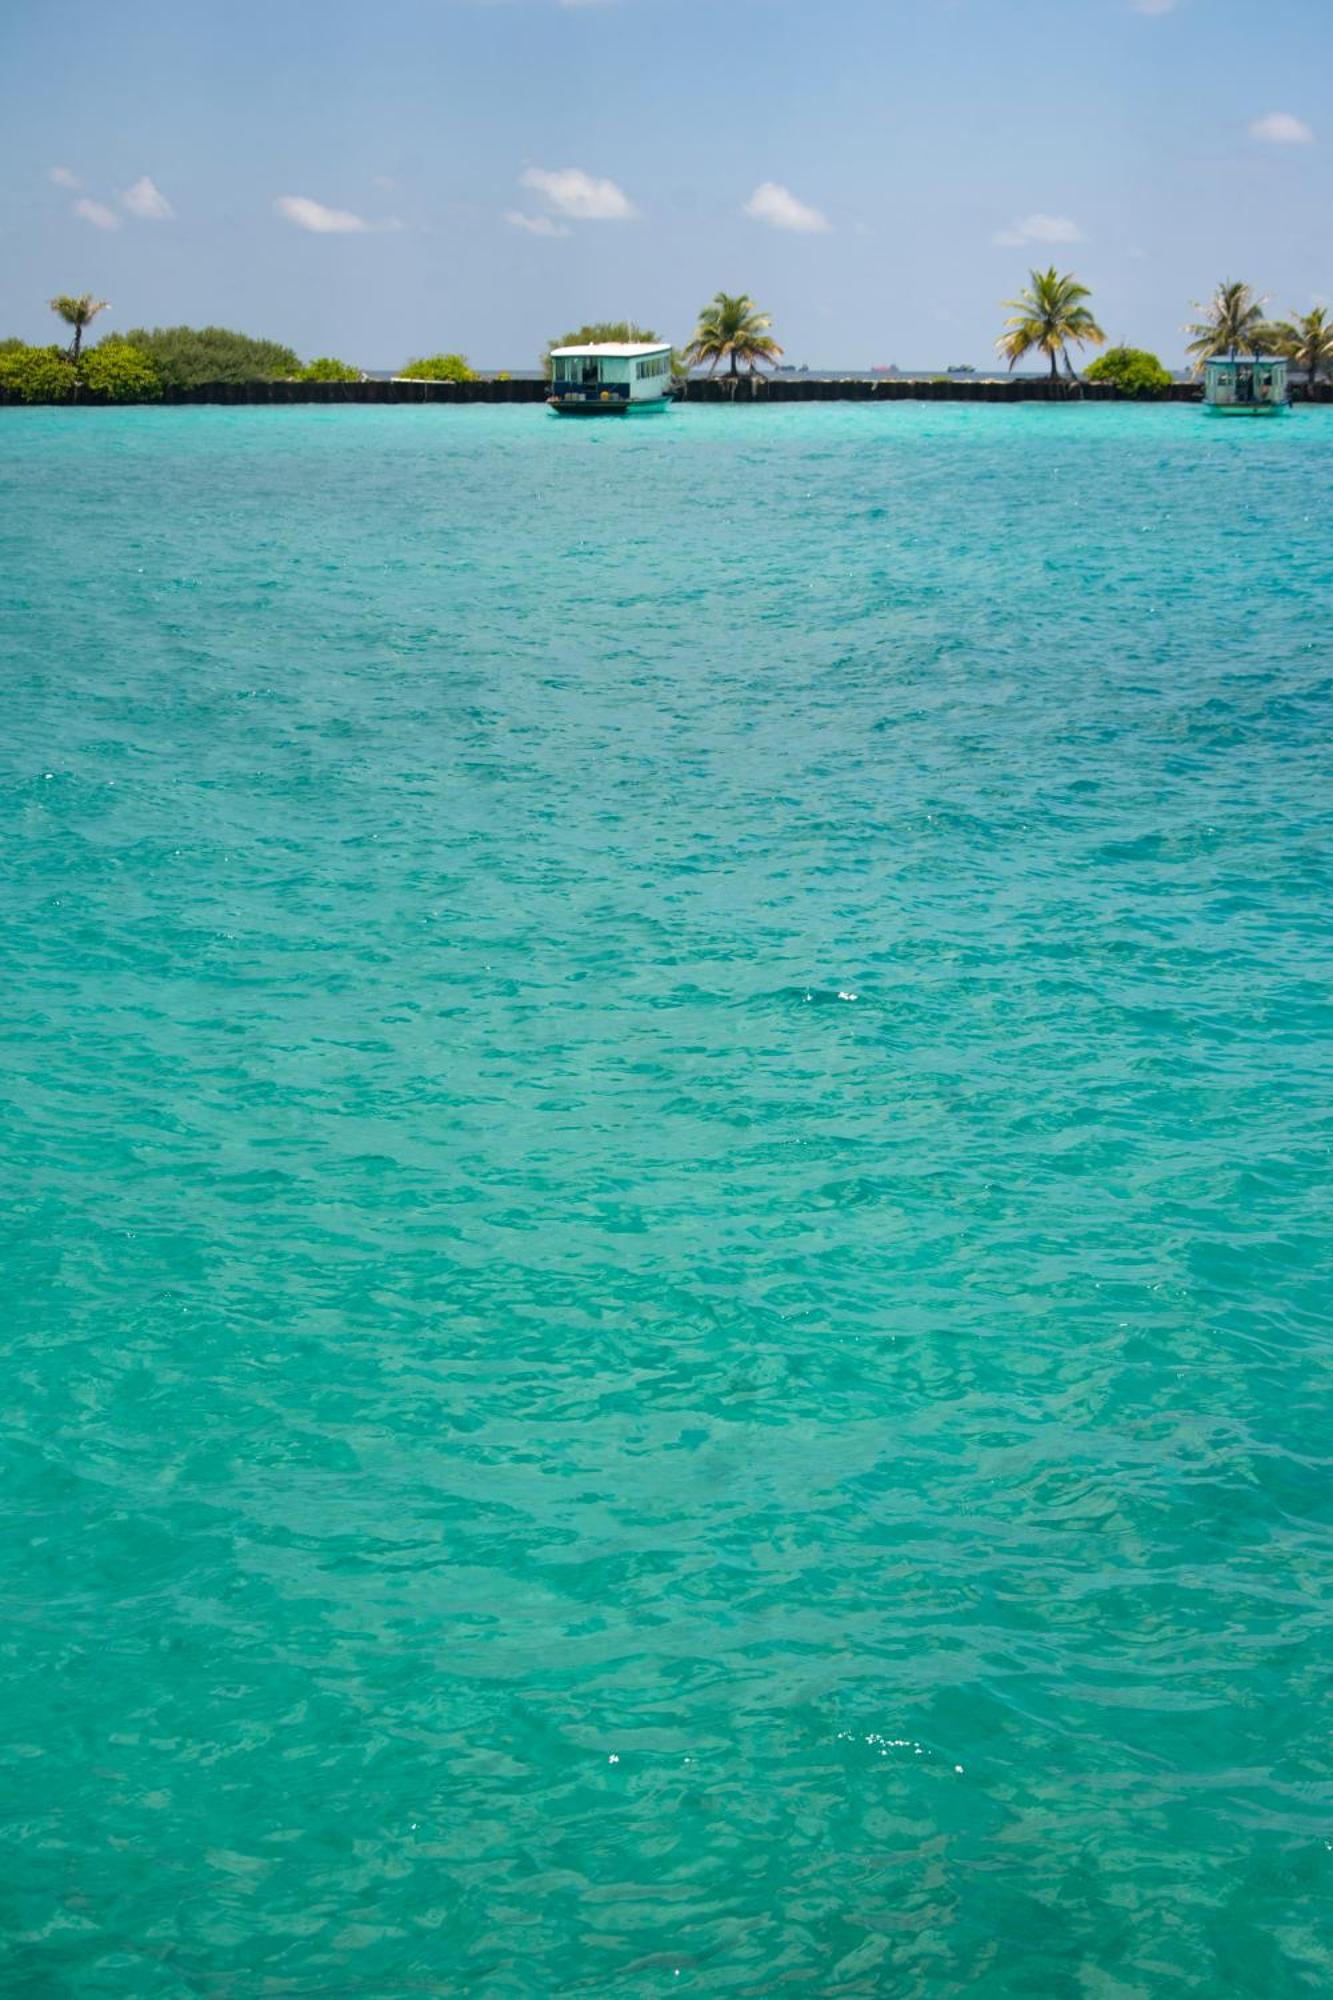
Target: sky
380	179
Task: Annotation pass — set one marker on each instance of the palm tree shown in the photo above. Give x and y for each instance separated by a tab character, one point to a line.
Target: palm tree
1233	323
1306	339
732	329
77	312
1048	314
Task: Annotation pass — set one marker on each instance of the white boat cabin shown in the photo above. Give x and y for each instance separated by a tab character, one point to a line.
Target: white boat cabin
1253	385
609	378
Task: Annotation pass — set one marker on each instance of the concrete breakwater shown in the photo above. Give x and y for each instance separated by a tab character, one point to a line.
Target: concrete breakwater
718	389
743	393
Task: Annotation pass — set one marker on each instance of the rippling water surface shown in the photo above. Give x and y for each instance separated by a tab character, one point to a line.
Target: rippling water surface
666	1100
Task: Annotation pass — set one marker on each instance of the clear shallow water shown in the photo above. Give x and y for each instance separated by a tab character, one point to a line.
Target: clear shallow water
547	1450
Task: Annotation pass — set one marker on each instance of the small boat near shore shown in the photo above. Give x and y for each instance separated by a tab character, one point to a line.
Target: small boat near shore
1249	385
610	378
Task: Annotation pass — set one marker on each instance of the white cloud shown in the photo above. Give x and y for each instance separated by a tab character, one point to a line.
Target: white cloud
1282	128
775	204
1038	229
536	225
580	196
147	201
313	215
62	177
97	213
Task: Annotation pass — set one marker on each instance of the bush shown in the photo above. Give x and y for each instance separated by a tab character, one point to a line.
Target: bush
1131	370
119	373
186	357
439	368
326	369
37	374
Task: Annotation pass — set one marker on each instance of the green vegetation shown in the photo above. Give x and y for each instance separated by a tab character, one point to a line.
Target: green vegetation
1306	339
326	369
1049	314
439	368
37	374
135	367
116	372
1233	323
732	329
79	312
604	332
1131	370
186	357
111	372
598	333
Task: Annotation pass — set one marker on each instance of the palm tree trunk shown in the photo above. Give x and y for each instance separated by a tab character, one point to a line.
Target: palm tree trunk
1055	364
78	341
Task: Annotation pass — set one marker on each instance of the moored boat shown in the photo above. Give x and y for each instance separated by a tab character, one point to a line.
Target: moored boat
1247	385
610	378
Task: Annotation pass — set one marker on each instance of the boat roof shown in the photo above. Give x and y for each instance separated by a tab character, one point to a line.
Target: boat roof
619	350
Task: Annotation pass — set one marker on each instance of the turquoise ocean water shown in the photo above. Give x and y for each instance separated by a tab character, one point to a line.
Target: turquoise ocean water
666	1098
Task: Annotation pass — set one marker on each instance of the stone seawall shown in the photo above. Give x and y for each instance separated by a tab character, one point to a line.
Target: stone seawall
743	394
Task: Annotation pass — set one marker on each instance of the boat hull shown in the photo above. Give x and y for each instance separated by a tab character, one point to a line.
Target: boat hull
617	406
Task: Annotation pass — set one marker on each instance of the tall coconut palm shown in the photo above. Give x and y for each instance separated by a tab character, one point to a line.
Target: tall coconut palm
1049	314
732	329
79	313
1306	339
1233	323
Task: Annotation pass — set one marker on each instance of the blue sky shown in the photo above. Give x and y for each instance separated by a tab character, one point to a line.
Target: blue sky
389	179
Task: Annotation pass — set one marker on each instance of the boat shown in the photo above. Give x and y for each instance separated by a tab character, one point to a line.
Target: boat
610	378
1247	385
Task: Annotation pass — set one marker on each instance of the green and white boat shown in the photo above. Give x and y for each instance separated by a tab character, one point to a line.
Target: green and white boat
610	378
1246	385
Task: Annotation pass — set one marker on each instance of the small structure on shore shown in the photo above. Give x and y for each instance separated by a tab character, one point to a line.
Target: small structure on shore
1246	385
610	378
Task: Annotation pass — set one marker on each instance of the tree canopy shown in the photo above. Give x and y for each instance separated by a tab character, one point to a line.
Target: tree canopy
116	372
438	368
1233	323
187	357
599	333
79	310
1307	340
1131	370
111	372
37	374
326	369
732	329
1050	315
